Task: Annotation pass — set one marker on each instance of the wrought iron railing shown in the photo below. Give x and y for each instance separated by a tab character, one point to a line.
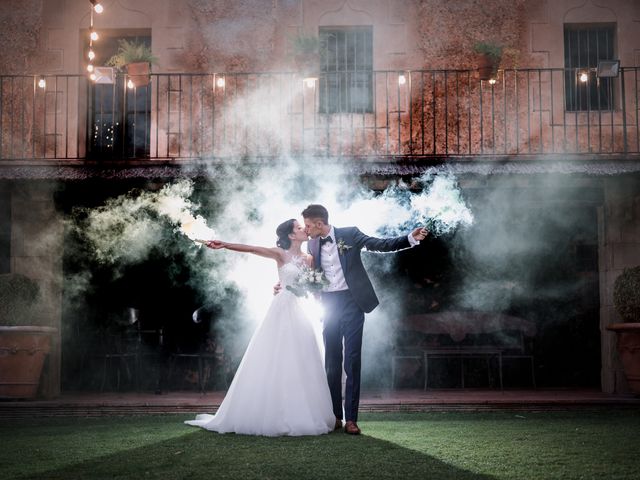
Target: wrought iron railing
435	113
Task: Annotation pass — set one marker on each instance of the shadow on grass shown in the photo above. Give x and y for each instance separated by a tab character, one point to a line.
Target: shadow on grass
207	455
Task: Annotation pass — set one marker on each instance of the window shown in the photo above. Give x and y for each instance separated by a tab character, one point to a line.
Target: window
346	69
584	46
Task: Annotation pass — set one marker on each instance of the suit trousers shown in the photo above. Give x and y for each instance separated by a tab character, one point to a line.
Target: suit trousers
343	320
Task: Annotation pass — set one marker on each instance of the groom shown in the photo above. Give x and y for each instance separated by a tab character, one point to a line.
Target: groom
346	299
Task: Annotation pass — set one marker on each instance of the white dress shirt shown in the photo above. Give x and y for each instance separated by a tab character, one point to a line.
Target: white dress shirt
330	262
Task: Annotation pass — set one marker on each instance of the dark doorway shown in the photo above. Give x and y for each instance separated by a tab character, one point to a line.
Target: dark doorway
119	114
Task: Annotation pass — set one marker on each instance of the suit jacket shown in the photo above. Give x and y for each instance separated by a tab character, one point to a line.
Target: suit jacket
351	262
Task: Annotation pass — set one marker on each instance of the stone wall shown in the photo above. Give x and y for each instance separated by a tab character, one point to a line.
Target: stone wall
619	248
36	251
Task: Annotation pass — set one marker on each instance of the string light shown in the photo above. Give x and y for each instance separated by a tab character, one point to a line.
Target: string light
584	76
492	81
220	82
130	84
97	7
402	79
42	83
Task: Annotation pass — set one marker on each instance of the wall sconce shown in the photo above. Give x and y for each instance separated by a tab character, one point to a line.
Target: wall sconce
97	7
220	83
608	68
42	83
583	76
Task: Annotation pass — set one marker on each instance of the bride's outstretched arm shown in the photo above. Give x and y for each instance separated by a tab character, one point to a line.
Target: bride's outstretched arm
273	253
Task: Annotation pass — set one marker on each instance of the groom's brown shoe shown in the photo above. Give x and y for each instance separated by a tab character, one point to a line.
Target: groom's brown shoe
351	428
338	424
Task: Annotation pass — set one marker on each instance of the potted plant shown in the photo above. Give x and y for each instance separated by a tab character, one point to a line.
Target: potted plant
137	57
626	300
489	56
23	343
306	53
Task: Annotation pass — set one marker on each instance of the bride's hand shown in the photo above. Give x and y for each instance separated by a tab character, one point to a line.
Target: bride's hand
215	244
277	288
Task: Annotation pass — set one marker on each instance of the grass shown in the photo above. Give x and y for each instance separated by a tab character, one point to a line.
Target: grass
593	444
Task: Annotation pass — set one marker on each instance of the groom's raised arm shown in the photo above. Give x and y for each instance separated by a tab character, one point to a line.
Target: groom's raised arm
374	244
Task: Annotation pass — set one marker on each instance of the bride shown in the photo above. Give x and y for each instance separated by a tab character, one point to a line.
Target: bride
280	387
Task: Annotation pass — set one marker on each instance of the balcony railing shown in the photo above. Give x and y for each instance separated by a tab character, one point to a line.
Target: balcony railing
436	113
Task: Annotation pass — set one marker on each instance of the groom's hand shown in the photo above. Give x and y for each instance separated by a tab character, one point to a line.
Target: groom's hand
420	233
215	244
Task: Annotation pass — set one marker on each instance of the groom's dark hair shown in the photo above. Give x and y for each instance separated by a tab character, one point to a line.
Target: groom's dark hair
316	211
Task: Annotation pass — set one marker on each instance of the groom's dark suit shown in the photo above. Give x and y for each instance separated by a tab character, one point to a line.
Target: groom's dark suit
344	312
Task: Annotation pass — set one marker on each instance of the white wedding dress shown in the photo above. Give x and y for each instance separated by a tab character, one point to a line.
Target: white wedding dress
280	387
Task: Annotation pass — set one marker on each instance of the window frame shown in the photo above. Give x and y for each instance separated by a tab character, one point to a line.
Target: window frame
596	94
346	77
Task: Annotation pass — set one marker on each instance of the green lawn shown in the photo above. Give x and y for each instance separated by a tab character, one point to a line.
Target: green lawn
594	444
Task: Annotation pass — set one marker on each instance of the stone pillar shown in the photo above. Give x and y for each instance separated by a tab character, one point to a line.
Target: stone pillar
619	248
36	251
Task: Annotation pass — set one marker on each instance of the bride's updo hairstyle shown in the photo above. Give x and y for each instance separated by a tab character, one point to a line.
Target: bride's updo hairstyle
283	231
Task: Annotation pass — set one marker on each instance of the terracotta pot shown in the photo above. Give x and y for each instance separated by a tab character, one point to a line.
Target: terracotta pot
486	66
139	73
22	354
629	351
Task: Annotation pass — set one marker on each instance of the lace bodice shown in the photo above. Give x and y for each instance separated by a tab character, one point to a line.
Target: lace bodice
288	273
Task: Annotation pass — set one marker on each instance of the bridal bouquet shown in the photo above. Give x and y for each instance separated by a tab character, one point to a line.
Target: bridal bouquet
309	281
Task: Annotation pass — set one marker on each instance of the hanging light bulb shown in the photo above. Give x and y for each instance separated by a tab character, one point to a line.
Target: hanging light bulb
97	6
93	77
130	84
93	35
90	68
492	81
42	83
220	82
91	55
584	76
402	79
